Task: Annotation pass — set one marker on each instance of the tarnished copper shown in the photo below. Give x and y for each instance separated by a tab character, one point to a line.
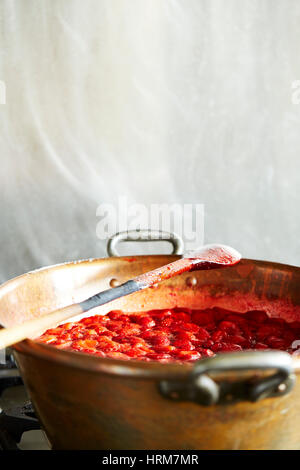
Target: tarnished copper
85	402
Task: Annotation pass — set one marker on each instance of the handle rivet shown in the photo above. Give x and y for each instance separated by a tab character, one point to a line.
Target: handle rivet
114	283
191	281
281	388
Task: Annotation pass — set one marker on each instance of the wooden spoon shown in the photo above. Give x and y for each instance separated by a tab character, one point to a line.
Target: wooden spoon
207	257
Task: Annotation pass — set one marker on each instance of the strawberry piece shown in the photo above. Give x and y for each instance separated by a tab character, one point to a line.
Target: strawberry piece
165	349
239	339
267	330
130	329
118	315
218	336
101	329
117	355
229	327
48	339
63	344
87	343
159	357
67	326
208	343
183	344
188	355
115	325
205	352
160	340
107	345
190	327
261	346
181	317
166	322
136	352
145	321
276	343
202	334
55	331
222	347
185	336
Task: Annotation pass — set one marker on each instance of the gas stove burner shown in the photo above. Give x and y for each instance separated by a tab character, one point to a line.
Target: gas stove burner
9	374
13	423
14	420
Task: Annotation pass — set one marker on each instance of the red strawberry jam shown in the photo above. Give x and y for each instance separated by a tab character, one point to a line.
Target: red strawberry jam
177	334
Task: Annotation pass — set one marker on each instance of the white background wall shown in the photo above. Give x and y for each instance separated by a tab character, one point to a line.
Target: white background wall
157	100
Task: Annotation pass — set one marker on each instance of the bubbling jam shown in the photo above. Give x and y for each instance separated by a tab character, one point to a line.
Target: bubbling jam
173	335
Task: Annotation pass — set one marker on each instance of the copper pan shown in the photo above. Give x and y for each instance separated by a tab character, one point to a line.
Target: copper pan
239	401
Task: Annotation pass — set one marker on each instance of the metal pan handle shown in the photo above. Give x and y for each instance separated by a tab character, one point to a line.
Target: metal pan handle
202	389
144	236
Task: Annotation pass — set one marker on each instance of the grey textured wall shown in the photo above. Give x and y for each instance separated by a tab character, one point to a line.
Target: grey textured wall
195	95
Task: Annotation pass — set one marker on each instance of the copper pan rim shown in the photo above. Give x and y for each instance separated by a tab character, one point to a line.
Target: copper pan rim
7	284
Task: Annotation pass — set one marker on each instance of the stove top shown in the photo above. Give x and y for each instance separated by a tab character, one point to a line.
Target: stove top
19	427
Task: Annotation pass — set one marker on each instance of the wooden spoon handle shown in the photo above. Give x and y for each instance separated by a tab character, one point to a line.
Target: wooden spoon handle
36	326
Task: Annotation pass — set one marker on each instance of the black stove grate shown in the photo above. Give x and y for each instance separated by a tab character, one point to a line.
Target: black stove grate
9	374
17	420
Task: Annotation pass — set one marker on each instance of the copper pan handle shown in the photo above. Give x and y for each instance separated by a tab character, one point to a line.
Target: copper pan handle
144	236
204	390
